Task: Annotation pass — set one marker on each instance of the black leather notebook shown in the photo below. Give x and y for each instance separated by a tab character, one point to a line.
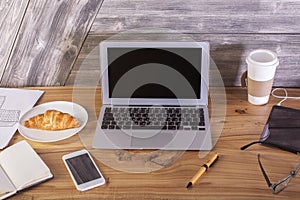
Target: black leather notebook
282	130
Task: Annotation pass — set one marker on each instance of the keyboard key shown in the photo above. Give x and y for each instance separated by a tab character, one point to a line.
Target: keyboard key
105	122
108	109
202	119
171	123
111	126
104	127
201	123
108	118
146	127
185	123
142	123
175	119
186	127
108	115
172	128
193	123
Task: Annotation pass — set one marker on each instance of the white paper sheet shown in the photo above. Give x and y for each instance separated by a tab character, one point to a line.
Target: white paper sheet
13	104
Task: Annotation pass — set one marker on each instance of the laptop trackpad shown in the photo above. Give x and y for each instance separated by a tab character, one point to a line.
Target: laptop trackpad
157	141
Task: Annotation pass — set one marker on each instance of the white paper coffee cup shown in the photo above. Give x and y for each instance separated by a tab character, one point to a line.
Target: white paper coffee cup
262	65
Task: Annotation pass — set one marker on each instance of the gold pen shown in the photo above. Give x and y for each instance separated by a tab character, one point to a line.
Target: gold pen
203	169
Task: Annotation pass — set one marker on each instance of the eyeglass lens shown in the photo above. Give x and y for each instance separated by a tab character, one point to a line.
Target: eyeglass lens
283	183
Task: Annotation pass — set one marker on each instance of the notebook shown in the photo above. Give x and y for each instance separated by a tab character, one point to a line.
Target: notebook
21	168
282	130
154	96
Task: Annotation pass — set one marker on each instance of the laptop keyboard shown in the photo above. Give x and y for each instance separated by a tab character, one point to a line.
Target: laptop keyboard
150	118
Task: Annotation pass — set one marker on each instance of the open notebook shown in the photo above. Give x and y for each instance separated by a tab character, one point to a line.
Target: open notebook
21	168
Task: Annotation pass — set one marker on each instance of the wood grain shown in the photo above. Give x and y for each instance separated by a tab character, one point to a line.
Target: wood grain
49	41
216	16
11	15
233	28
236	175
86	70
228	52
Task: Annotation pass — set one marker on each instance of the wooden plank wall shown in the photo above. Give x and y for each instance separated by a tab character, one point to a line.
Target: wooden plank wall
43	48
11	15
56	42
232	27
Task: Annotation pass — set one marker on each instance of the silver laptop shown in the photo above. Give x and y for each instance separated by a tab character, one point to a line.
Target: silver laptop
154	96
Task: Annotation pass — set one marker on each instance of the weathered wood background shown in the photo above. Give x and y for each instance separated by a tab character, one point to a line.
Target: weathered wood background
56	42
46	41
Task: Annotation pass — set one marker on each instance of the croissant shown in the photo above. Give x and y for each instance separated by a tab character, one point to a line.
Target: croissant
52	120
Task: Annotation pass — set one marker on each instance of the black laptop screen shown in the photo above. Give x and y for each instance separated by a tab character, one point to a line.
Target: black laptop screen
157	73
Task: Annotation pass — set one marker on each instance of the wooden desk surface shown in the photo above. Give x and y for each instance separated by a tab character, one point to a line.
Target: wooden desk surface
236	175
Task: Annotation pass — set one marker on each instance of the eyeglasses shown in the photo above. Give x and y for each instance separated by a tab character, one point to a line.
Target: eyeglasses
283	183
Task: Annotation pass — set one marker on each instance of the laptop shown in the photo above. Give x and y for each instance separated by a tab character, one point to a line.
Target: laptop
154	96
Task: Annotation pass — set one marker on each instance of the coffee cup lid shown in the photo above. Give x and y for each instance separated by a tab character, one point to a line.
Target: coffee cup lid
262	57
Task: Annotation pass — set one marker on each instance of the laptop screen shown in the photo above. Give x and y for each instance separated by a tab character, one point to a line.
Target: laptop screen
166	73
154	73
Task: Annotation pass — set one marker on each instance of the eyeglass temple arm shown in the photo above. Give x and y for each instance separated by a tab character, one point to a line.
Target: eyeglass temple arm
250	144
263	171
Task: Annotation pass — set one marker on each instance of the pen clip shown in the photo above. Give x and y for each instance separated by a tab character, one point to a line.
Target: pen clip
212	161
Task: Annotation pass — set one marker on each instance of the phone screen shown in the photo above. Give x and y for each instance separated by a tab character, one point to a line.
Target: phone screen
83	168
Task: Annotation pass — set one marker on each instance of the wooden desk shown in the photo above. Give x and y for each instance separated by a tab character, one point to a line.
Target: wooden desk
236	175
